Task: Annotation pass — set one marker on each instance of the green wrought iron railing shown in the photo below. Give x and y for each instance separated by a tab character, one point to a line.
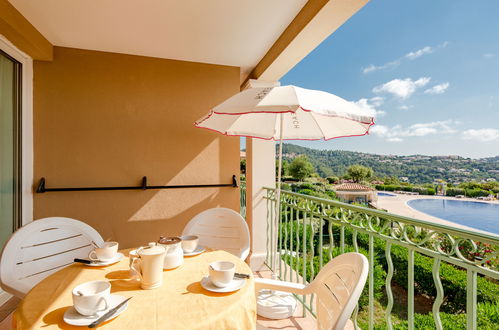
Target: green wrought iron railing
242	199
451	269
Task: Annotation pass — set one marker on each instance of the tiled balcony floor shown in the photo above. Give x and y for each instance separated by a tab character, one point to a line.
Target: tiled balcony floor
295	322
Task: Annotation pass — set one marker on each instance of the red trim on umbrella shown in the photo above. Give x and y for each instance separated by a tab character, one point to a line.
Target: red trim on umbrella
272	138
290	111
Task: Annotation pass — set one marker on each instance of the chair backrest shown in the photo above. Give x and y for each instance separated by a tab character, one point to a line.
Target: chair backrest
221	229
338	287
41	248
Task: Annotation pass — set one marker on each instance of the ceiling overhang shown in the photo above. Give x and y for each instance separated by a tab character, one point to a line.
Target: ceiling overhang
264	38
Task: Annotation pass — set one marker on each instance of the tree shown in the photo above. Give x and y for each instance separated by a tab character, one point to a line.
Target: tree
300	168
284	169
242	166
359	173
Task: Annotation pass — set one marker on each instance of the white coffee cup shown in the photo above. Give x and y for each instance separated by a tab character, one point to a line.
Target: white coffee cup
91	297
189	243
222	273
106	252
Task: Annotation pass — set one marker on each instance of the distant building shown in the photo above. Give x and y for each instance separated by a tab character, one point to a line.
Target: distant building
355	193
404	179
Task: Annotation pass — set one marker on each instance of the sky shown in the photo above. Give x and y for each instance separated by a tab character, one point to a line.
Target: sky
428	70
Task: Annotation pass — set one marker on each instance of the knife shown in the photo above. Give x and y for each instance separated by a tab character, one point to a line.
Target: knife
108	314
85	261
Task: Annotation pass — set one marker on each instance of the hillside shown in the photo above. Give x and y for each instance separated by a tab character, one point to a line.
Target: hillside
417	168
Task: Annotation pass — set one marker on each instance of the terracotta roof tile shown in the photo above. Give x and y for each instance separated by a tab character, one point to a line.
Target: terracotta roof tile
352	187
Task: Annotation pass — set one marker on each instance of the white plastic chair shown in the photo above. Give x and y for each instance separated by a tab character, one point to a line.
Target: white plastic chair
41	248
221	229
337	289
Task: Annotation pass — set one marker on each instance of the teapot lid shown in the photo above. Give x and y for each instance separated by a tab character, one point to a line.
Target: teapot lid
169	240
150	250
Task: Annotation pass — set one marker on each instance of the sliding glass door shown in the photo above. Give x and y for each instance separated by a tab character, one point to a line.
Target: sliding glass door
10	146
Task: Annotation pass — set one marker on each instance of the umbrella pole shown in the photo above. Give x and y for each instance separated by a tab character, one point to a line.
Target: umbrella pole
271	303
278	199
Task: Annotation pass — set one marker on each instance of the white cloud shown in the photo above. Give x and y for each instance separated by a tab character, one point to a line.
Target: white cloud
397	133
372	67
418	53
405	107
482	134
402	88
409	56
370	106
489	55
438	89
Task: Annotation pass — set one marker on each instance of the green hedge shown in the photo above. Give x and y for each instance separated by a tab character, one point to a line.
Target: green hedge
453	280
478	193
487	319
454	192
379	272
295	228
392	187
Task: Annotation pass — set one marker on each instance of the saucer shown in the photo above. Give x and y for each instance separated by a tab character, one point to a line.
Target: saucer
199	249
235	285
116	258
71	316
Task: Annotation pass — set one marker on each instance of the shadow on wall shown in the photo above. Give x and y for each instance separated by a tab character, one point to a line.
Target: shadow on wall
103	119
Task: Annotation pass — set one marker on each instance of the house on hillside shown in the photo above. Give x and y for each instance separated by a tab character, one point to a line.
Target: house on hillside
356	193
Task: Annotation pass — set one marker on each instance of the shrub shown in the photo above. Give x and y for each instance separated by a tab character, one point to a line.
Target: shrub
379	272
331	194
487	319
454	192
477	192
431	191
332	179
303	185
453	281
294	229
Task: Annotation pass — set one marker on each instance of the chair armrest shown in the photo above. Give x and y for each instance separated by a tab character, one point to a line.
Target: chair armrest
264	283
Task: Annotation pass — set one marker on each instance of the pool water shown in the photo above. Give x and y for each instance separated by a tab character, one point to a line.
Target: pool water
483	216
385	194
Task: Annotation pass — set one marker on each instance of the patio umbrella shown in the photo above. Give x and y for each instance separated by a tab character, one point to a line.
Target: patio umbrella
287	113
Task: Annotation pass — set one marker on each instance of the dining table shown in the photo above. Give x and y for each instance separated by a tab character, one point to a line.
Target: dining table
180	303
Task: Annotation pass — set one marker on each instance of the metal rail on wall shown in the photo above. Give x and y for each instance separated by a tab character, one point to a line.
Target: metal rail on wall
42	189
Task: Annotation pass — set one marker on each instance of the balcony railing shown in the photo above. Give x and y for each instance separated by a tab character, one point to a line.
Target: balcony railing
242	199
418	271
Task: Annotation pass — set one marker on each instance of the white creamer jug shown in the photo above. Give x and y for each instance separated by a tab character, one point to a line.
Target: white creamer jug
149	266
174	256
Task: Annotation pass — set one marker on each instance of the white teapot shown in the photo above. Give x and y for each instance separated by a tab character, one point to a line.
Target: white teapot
174	256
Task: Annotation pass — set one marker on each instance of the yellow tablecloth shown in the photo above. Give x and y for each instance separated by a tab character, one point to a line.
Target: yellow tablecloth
181	303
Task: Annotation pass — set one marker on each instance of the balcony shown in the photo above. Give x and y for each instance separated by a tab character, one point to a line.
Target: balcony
422	275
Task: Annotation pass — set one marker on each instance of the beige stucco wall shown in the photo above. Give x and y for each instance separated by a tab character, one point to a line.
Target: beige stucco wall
104	119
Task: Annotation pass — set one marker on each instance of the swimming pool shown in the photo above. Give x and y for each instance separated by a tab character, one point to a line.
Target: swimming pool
483	216
386	194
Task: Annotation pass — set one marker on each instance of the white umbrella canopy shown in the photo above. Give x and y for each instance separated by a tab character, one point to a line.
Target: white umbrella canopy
306	115
285	113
